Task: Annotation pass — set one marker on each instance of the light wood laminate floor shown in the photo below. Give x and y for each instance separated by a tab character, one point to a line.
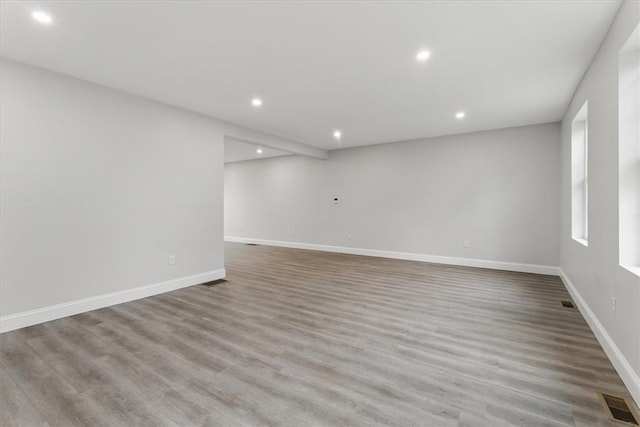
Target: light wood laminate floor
302	338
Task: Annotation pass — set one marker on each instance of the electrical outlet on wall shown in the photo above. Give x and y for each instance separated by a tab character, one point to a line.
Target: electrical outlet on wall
613	305
349	236
467	244
172	259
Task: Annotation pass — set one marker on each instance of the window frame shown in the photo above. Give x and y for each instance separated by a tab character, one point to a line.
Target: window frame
629	154
580	175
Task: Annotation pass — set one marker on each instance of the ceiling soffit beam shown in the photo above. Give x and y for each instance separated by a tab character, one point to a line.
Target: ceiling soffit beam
271	141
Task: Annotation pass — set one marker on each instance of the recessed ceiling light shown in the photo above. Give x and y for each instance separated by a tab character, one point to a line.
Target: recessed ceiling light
460	115
337	134
259	151
256	102
423	55
42	17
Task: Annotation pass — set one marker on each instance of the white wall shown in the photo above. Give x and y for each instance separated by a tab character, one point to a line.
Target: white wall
498	189
98	189
593	272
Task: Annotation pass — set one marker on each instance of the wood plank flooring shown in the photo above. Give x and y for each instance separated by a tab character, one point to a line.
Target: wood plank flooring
303	338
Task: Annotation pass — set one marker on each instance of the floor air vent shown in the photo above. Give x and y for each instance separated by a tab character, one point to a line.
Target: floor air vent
215	282
618	409
568	304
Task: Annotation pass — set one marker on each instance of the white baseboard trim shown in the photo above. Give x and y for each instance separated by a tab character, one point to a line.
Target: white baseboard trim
466	262
45	314
630	378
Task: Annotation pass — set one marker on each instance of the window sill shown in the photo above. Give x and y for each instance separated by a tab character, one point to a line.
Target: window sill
582	241
633	269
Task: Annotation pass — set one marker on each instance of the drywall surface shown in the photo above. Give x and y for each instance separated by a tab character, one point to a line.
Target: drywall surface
99	189
498	190
594	270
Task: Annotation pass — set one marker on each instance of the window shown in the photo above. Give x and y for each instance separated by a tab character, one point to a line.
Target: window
579	176
629	152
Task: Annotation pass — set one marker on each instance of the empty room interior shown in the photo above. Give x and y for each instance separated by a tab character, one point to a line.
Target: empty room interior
320	213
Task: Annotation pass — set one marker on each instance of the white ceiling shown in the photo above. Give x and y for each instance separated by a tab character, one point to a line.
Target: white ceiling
319	66
236	150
